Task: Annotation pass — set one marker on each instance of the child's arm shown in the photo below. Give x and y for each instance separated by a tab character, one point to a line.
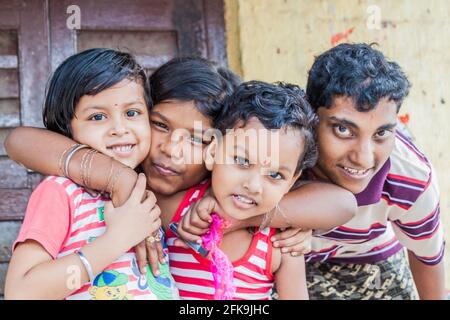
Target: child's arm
40	150
290	278
314	205
34	273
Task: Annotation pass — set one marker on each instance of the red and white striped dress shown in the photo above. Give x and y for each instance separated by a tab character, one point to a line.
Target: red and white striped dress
253	278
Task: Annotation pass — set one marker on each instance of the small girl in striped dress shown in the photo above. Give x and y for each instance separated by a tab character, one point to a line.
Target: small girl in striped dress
266	138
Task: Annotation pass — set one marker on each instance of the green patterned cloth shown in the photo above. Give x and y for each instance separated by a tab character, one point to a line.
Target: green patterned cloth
390	279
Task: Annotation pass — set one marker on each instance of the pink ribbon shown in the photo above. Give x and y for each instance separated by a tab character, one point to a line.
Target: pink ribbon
221	266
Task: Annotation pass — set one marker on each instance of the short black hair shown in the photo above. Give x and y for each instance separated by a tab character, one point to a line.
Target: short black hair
196	79
87	73
358	71
276	106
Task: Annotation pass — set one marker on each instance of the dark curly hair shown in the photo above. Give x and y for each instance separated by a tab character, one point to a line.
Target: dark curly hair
358	71
276	106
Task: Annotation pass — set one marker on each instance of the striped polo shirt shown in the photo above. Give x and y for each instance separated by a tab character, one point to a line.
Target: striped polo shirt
63	218
252	276
399	208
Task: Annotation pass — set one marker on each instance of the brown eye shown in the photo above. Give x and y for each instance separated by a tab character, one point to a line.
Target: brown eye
341	131
383	134
159	125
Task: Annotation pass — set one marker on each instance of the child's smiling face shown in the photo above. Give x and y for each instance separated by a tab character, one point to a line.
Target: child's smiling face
253	168
175	161
115	122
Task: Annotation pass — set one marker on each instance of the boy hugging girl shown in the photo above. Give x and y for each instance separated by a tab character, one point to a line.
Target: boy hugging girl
97	113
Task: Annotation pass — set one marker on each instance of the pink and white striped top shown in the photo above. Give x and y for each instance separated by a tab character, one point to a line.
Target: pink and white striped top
253	278
63	218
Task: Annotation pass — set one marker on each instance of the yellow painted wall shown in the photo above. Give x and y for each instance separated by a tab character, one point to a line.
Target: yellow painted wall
274	40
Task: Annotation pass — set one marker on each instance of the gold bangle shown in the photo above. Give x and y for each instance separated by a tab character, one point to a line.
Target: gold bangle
115	178
268	216
109	176
88	178
82	168
283	215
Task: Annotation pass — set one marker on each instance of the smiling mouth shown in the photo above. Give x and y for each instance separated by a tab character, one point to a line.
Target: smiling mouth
122	150
243	202
355	173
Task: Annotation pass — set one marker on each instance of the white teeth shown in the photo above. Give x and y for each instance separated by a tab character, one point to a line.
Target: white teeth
122	148
354	171
244	199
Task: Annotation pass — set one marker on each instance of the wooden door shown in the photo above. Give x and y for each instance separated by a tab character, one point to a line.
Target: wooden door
35	37
155	30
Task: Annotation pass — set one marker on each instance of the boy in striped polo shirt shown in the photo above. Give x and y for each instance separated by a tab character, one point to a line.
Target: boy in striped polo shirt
357	94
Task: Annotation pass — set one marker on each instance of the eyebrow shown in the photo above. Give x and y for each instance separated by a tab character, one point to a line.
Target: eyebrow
101	107
160	115
387	126
164	118
345	122
284	168
280	168
236	147
354	125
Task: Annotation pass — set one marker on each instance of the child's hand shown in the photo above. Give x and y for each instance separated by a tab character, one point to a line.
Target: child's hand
136	219
196	221
147	253
293	240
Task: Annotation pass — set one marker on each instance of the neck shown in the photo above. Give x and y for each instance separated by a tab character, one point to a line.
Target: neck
161	197
317	174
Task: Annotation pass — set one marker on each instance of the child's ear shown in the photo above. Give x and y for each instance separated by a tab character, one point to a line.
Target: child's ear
210	154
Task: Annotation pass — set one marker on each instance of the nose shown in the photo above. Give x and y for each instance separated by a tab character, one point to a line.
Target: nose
253	182
119	127
171	146
363	154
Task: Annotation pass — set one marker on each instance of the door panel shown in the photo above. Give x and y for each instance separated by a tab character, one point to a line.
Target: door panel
140	43
183	22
